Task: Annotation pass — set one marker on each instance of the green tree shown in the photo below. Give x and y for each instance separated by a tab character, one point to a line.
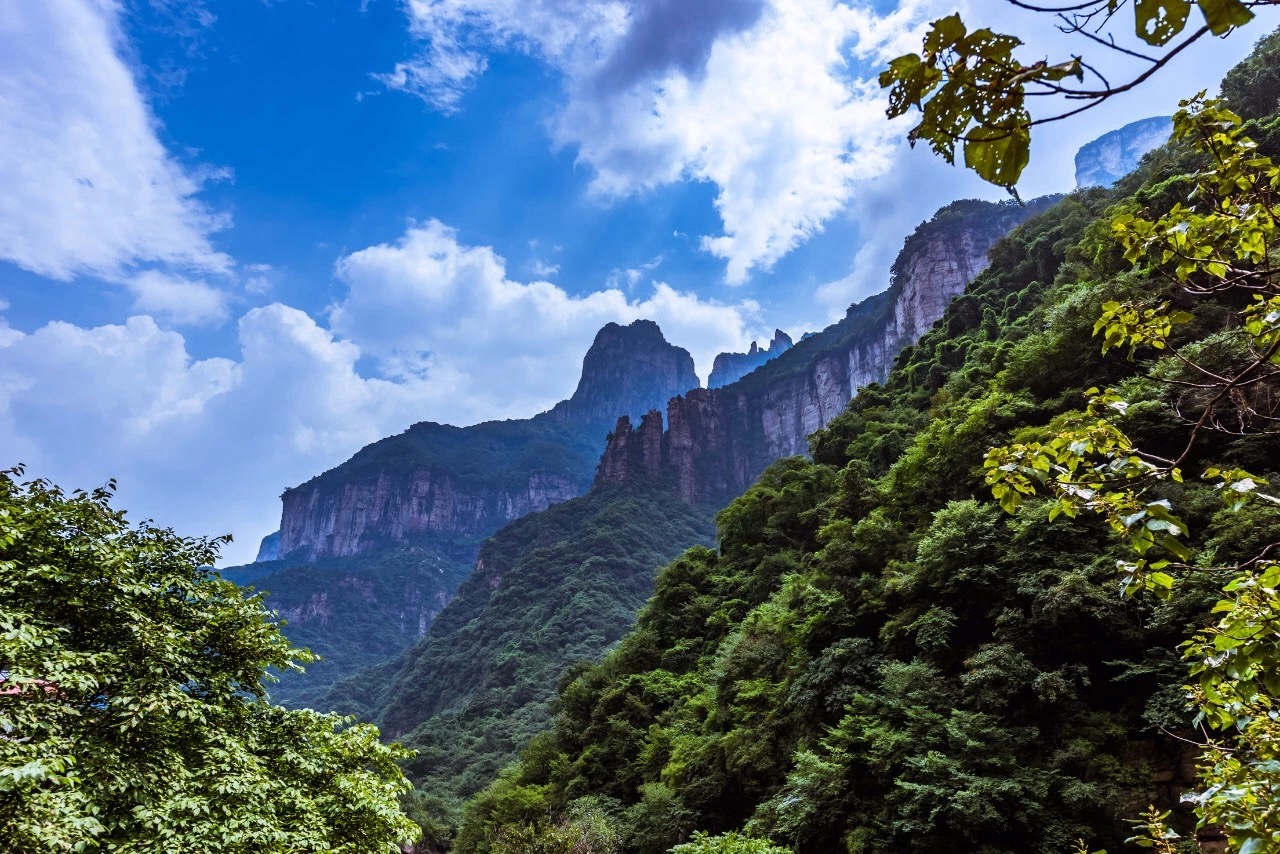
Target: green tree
1217	254
584	829
729	843
132	710
971	90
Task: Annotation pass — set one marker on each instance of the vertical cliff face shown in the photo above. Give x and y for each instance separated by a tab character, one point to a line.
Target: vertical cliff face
395	505
269	548
1113	155
730	367
435	479
718	440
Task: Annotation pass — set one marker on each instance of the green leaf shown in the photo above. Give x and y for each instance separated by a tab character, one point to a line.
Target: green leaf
998	154
1222	15
1157	21
1253	845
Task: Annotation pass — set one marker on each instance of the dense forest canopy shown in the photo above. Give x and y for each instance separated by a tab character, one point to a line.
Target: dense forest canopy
132	704
879	657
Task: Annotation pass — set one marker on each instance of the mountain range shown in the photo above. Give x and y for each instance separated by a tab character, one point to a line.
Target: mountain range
371	552
459	581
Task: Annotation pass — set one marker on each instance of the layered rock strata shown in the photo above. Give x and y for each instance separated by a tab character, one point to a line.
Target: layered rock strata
435	479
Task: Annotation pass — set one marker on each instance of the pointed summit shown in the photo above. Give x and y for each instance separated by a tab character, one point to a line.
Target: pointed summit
730	367
628	371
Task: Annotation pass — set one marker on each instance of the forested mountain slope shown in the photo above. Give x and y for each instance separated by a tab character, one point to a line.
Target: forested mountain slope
372	550
557	588
878	658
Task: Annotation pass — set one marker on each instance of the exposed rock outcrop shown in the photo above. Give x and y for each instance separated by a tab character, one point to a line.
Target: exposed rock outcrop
628	370
269	548
397	504
1113	155
718	440
730	367
435	479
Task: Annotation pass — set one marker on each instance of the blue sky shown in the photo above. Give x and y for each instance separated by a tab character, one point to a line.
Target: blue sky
239	240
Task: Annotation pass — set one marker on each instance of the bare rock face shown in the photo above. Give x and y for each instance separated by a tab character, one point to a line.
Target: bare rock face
452	481
397	505
718	440
1113	155
269	548
729	367
628	370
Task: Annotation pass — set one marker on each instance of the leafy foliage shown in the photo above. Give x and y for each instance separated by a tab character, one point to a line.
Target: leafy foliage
729	843
1219	247
359	611
132	705
550	591
879	658
970	88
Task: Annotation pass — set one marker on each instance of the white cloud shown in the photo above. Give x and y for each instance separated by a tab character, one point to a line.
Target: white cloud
439	76
429	294
544	270
88	187
754	96
206	445
203	445
134	377
177	299
257	278
773	122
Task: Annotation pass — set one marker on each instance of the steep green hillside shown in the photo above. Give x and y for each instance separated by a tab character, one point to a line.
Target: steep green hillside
550	590
878	658
373	549
357	611
481	682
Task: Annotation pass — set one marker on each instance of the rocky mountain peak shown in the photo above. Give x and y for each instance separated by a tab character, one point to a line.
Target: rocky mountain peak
626	371
730	367
1113	155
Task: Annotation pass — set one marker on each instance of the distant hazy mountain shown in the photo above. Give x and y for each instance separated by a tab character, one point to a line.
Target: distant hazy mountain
1113	155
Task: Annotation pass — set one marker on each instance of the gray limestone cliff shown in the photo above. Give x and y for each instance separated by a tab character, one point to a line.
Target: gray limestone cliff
717	441
730	367
269	548
1113	155
627	371
444	481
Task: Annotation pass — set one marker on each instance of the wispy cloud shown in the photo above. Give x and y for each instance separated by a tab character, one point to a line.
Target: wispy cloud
88	187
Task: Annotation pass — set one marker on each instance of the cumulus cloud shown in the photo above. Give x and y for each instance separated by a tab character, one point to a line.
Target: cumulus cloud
204	445
757	97
208	444
177	299
89	188
430	304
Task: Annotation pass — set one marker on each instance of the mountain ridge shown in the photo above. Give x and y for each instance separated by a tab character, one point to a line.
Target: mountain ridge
469	481
718	440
